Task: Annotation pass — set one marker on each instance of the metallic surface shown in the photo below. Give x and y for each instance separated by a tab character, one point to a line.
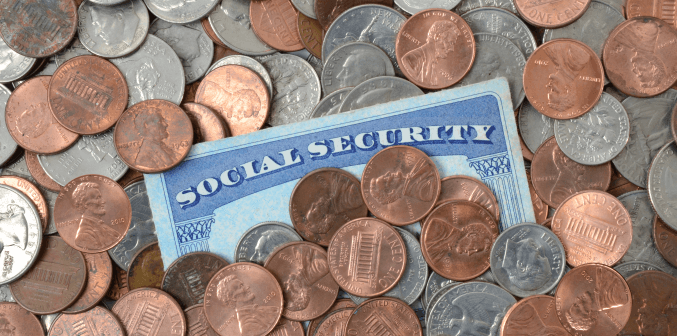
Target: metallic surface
146	268
191	44
275	23
138	307
381	314
96	321
113	31
379	90
99	277
187	277
207	125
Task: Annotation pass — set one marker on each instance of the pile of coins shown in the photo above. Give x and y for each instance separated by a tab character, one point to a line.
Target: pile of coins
105	90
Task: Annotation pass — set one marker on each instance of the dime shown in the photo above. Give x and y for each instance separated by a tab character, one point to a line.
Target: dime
532	316
181	11
379	90
39	174
146	268
527	259
30	121
468	5
466	188
540	208
324	200
556	177
631	268
296	89
19	321
563	78
333	324
597	136
190	43
99	277
661	9
144	306
95	321
381	314
329	10
352	64
248	63
330	104
456	239
660	184
207	125
275	23
503	22
113	30
9	146
243	299
666	239
13	66
652	299
338	305
444	58
231	24
118	286
314	62
594	227
32	192
257	243
197	322
551	14
311	33
635	63
620	185
238	94
187	277
593	299
377	246
92	213
534	127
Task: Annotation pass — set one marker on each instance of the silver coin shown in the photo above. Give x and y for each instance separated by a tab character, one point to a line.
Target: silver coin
468	5
597	136
375	24
21	234
262	239
330	104
13	66
113	31
296	89
6	294
414	6
593	28
497	56
527	259
181	11
352	64
612	90
153	72
141	230
307	7
314	62
618	5
232	25
631	268
649	131
472	308
248	63
662	184
190	42
436	298
504	23
420	312
91	154
534	127
7	144
435	283
107	2
47	321
379	90
554	290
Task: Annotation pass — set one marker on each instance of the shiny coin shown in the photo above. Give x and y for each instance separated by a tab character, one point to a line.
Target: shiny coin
275	23
146	268
380	314
533	316
352	64
187	277
48	320
435	283
620	185
207	125
99	277
466	188
219	47
150	305
248	63
330	104
18	321
652	295
130	177
39	174
262	239
494	20
551	14
631	268
338	305
468	5
13	66
660	184
98	320
9	146
413	7
333	323
181	11
534	127
540	208
118	286
231	24
379	90
311	33
32	192
660	9
197	322
329	10
306	8
666	239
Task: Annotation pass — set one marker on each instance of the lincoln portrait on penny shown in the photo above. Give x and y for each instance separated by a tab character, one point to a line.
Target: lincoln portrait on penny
569	61
609	293
152	128
418	183
93	232
251	317
327	209
421	63
311	266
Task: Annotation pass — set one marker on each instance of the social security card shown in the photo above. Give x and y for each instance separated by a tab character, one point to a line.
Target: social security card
227	186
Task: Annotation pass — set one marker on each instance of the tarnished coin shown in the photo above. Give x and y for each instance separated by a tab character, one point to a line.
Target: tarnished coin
631	268
197	322
540	208
60	273
379	250
311	32
33	193
7	144
145	308
96	321
400	185
260	240
556	177
597	136
31	122
338	305
15	320
275	23
180	11
653	295
330	104
238	94
666	239
207	125
639	56
383	315
594	227
551	14
39	173
333	324
456	239
620	185
661	183
466	188
435	48
118	286
187	277
532	316
379	90
146	268
190	43
99	277
92	213
352	64
243	299
662	9
494	20
113	30
231	24
13	66
468	5
324	200
534	127
563	78
330	10
593	299
248	63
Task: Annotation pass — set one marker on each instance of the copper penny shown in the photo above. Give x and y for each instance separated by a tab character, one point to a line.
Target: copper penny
594	227
367	257
302	270
130	177
239	95
312	34
540	208
147	310
435	48
400	185
388	316
288	328
207	125
338	305
456	240
39	173
210	32
30	121
243	299
187	277
556	177
551	13
534	315
653	304
466	188
30	190
16	321
99	277
38	28
275	23
146	268
666	240
324	200
639	56
563	79
197	322
87	94
673	122
334	324
328	10
153	136
92	213
55	281
620	185
96	321
662	9
118	286
594	300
